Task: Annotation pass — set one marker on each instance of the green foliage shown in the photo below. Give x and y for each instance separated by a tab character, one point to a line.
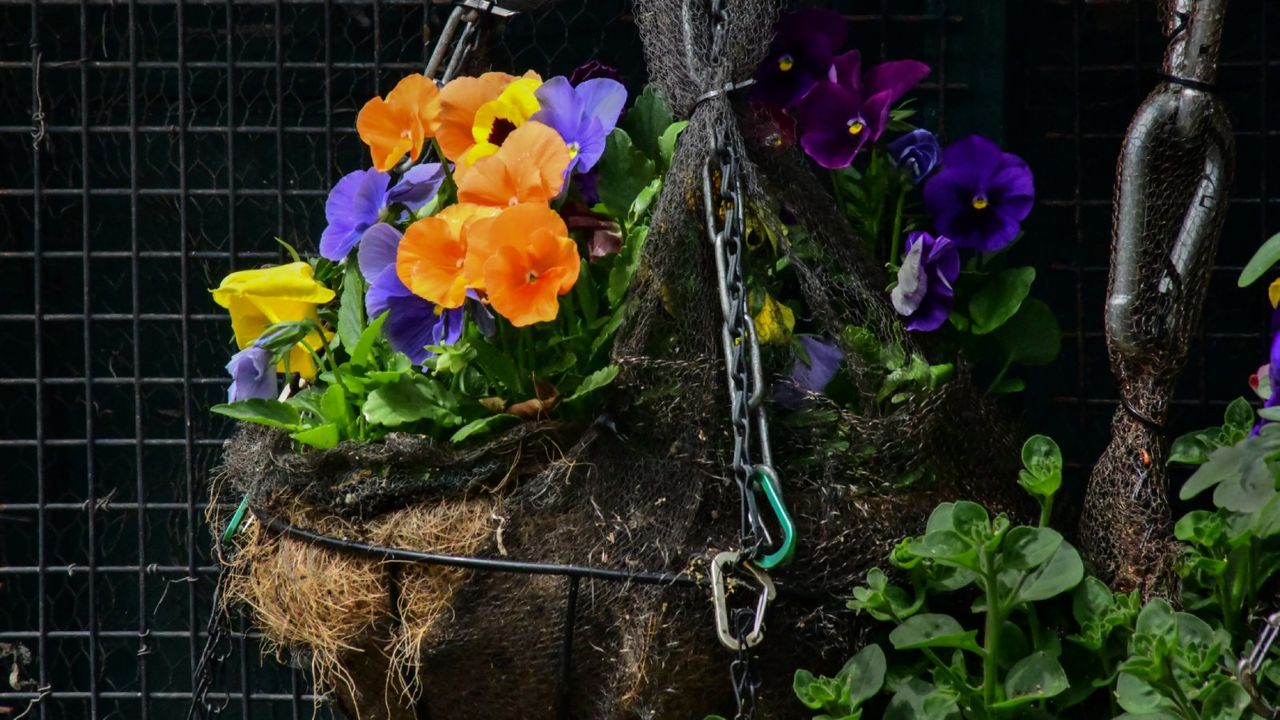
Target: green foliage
1263	260
1029	653
625	171
648	121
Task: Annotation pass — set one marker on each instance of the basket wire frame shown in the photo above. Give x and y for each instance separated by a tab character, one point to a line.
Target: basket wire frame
154	145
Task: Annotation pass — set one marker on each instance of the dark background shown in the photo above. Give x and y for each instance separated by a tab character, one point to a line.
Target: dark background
148	147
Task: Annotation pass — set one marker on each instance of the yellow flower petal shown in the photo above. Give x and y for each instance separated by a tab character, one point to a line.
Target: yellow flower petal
774	322
513	106
1273	292
259	298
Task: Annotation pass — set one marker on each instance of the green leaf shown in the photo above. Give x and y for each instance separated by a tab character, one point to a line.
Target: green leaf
916	699
1240	416
1200	527
1062	572
931	630
1027	548
803	684
1035	677
594	382
1223	463
321	436
647	121
409	399
1000	299
624	172
360	353
643	201
1032	336
586	293
1042	460
498	366
482	426
667	143
625	265
1008	386
271	413
351	309
1263	260
1267	521
1248	490
1227	701
1190	449
864	674
334	406
1139	697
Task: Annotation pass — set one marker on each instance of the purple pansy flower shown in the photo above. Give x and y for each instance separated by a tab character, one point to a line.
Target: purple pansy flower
809	375
413	322
916	153
359	200
592	69
800	55
253	375
925	292
583	115
1273	375
850	109
980	195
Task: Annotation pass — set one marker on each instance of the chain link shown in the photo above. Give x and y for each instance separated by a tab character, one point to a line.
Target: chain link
724	205
217	649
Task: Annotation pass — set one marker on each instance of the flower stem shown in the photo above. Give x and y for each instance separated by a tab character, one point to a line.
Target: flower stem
895	242
1046	511
991	640
1004	370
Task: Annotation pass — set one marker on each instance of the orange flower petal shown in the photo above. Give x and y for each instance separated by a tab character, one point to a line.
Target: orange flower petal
512	226
458	102
388	131
429	262
528	259
516	292
528	168
421	96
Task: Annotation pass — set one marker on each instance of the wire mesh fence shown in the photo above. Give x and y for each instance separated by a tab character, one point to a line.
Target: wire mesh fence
152	146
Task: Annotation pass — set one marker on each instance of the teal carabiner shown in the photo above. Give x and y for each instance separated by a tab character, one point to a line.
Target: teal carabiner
767	479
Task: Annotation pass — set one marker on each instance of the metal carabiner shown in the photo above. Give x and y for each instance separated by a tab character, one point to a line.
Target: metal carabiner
767	480
1248	668
720	597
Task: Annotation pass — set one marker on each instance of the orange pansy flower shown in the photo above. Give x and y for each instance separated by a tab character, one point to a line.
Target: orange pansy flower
460	100
431	255
528	168
401	123
528	260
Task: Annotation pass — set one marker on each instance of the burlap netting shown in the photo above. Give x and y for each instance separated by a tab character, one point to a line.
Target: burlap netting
646	490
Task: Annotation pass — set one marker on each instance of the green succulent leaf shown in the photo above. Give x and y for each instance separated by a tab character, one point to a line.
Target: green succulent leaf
933	630
1000	298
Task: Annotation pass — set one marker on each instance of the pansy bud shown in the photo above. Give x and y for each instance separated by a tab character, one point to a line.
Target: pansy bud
916	154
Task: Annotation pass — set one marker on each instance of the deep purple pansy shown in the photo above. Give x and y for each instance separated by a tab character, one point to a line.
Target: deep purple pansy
800	54
358	201
925	290
1273	377
980	195
253	375
583	115
592	69
413	322
812	371
849	109
916	154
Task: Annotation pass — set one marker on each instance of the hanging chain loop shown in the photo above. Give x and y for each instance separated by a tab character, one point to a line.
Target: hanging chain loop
217	649
459	37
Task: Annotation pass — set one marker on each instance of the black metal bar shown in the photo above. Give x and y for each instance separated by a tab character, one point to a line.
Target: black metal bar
564	683
37	283
135	279
277	525
91	480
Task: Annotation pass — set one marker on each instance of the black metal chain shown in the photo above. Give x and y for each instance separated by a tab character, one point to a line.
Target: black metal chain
217	649
724	205
1250	665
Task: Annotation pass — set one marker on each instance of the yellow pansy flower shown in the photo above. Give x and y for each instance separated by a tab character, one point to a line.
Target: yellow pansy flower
263	297
774	322
496	119
1273	292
